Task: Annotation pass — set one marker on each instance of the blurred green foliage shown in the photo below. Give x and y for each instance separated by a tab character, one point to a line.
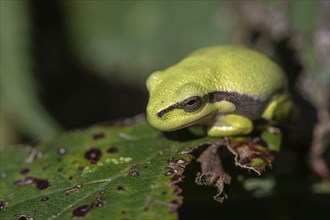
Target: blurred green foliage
141	36
19	100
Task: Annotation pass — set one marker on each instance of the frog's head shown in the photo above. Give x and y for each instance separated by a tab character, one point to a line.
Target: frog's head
176	101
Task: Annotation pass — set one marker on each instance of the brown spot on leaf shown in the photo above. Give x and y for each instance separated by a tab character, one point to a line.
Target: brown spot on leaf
70	178
3	204
44	199
81	211
81	168
93	155
40	183
134	173
112	150
73	189
98	136
62	151
121	188
24	171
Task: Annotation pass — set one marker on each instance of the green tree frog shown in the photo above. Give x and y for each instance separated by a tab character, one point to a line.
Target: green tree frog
221	88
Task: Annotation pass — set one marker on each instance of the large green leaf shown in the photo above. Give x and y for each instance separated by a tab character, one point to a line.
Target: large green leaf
126	170
117	172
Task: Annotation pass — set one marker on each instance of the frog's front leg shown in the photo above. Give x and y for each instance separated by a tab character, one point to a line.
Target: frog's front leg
230	125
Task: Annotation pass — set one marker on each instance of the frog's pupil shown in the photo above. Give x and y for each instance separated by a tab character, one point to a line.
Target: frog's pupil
191	102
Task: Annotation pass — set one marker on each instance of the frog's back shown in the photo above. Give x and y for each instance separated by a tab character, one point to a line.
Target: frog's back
235	68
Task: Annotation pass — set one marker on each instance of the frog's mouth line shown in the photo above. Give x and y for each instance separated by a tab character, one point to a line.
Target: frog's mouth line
190	123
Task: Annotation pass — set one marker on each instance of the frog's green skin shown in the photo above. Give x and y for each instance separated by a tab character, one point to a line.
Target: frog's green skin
223	88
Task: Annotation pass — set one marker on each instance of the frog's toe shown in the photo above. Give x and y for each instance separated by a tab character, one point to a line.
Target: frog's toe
221	131
231	125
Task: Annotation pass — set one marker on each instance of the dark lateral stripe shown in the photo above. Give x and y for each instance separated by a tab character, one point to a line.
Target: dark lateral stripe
245	105
168	109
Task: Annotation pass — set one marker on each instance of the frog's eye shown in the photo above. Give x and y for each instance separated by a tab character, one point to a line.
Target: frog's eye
192	104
